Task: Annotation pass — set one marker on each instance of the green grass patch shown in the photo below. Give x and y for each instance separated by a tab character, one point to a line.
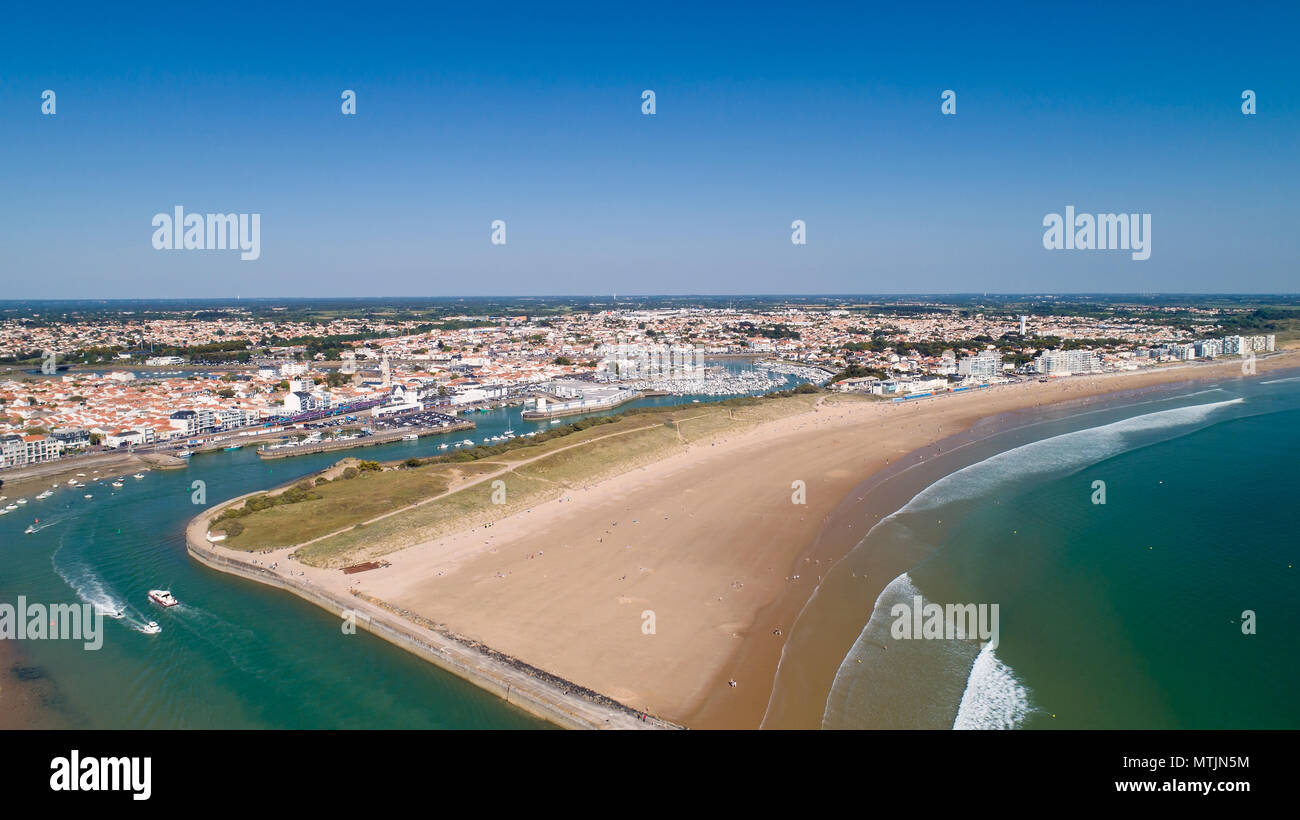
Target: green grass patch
546	465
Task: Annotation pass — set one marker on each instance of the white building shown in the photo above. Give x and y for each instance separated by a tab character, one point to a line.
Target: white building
290	369
13	452
124	438
301	401
1067	362
984	365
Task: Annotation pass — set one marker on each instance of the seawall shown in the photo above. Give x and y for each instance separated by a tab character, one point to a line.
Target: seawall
537	692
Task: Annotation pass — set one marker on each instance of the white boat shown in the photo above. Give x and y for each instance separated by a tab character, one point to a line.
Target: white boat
31	528
3	511
117	484
138	475
72	482
469	442
410	437
183	454
151	628
88	495
45	494
11	507
443	446
162	597
22	501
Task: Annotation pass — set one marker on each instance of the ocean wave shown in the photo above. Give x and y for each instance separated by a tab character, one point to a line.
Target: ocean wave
966	686
994	698
1282	381
1058	454
879	682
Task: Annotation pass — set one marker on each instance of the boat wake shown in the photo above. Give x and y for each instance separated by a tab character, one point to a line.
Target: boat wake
91	589
218	634
40	525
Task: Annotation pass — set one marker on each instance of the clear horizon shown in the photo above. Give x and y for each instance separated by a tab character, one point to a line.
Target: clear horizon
763	117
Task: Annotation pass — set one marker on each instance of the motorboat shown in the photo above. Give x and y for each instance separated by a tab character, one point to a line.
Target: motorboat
151	628
163	597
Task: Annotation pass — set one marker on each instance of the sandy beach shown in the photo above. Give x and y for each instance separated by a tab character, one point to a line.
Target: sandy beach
660	586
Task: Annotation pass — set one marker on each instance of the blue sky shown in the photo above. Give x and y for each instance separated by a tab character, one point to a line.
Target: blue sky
532	114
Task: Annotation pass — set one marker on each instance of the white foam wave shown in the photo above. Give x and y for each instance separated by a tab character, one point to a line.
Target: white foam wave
966	686
1058	454
994	697
1282	381
899	590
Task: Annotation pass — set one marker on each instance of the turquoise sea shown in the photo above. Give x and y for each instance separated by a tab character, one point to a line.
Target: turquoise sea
1122	614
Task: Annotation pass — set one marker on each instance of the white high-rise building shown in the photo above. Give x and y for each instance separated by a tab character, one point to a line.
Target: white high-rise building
1066	362
984	365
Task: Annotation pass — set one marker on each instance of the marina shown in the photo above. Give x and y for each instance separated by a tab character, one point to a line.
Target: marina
243	648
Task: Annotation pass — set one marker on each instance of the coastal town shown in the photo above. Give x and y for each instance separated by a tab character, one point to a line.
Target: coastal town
120	382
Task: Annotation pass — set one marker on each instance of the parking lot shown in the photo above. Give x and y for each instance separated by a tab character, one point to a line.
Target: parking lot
418	420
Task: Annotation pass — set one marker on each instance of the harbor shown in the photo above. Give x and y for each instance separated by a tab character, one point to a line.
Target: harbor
232	654
395	428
